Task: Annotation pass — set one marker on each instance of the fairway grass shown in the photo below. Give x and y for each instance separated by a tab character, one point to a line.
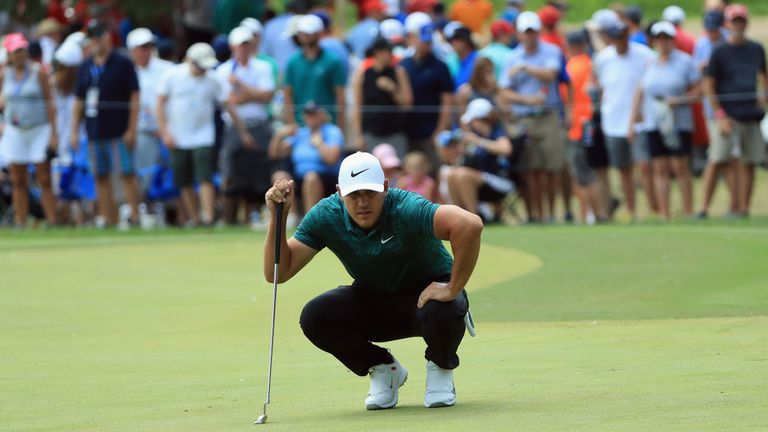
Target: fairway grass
615	328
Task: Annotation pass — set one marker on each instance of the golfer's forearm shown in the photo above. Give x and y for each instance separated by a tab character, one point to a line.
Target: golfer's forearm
465	243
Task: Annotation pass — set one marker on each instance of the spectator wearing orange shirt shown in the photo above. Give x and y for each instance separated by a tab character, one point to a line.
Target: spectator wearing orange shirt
474	14
586	178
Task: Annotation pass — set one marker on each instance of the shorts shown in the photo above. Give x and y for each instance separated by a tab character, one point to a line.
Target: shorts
620	152
577	161
191	165
546	142
329	183
25	146
101	155
658	148
641	150
495	188
231	142
745	138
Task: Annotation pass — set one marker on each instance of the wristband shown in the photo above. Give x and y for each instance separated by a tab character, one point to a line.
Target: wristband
720	114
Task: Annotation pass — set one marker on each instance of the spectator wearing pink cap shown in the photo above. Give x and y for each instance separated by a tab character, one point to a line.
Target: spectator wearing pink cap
387	156
30	135
736	68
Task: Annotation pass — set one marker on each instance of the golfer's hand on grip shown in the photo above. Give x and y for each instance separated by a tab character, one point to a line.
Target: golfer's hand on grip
280	192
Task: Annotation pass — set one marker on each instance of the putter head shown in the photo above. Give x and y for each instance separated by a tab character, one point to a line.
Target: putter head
261	420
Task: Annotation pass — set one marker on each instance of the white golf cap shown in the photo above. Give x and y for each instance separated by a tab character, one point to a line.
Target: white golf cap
202	55
253	24
360	171
309	24
674	14
78	38
138	37
663	27
528	21
240	35
69	54
603	19
392	30
477	109
415	21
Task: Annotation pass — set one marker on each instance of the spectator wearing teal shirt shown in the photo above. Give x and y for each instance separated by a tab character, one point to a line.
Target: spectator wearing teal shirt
314	74
498	50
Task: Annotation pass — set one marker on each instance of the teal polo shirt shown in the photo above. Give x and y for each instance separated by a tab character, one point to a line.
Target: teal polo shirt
314	80
401	253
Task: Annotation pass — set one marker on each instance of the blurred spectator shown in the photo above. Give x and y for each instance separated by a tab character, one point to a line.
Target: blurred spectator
393	31
50	34
465	54
381	94
29	135
314	74
734	77
315	151
227	14
390	163
248	85
484	175
362	34
277	42
579	69
432	89
529	84
550	17
450	149
474	14
498	51
618	70
67	59
332	44
633	16
482	85
416	177
513	9
257	29
108	94
684	41
149	70
187	96
669	86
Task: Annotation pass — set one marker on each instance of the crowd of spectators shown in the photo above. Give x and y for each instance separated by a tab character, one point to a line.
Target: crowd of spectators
465	105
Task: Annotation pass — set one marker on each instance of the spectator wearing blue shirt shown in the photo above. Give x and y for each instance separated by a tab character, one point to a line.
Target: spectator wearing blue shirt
333	44
465	54
315	154
362	35
633	15
432	92
107	93
530	85
276	42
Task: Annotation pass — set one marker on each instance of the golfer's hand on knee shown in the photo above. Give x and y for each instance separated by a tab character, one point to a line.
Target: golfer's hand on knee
435	291
280	192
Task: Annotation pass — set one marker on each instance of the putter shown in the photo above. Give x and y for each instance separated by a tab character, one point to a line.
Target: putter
278	237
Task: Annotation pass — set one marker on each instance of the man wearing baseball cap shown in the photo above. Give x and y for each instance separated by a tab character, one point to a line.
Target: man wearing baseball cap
498	51
405	282
732	83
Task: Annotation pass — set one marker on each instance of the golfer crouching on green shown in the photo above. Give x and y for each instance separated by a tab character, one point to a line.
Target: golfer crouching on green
405	282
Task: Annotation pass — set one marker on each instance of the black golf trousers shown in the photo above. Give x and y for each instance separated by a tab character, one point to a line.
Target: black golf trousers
345	321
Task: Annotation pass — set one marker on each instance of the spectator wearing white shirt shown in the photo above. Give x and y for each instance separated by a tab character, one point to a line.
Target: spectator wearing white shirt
149	70
618	71
187	96
248	85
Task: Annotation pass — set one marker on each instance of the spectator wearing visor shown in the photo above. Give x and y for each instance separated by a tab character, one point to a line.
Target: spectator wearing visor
29	135
383	93
670	84
187	97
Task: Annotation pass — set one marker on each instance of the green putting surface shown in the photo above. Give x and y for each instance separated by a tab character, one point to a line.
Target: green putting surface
605	328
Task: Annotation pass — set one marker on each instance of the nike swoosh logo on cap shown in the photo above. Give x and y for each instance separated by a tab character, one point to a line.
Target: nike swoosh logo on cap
355	174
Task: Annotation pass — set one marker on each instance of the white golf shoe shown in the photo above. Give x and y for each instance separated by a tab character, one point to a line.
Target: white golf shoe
386	379
440	389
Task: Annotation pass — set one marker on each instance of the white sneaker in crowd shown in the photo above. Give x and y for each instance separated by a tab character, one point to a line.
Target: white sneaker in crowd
386	379
440	389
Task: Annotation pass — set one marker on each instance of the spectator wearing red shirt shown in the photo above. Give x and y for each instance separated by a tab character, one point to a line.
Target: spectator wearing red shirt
550	16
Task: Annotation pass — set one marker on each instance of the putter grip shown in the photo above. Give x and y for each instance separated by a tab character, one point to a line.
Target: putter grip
278	230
